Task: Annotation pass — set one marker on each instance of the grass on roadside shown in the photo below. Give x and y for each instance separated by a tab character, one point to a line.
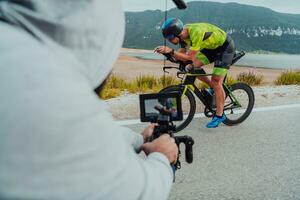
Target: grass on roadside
250	78
165	81
113	87
116	86
288	78
230	80
145	82
108	93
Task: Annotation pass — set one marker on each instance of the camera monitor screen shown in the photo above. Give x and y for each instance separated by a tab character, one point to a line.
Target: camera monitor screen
160	104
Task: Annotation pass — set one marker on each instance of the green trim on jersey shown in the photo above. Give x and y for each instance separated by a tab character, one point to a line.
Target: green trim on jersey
197	40
219	71
202	58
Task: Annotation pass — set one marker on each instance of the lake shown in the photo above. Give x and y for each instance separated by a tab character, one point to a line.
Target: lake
274	61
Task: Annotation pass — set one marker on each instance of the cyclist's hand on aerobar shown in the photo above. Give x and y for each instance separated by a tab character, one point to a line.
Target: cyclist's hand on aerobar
188	68
163	50
165	145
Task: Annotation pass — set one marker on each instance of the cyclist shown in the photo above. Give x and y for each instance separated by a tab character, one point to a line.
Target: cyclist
202	43
169	106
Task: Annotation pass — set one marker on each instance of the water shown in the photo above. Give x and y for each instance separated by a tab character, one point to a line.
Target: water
273	61
276	61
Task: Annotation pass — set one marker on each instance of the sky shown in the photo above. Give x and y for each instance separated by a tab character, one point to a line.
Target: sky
284	6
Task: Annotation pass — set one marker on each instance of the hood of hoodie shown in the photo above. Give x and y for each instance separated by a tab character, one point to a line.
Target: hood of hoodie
91	30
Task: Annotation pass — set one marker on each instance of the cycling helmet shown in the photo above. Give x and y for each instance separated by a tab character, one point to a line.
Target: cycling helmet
171	28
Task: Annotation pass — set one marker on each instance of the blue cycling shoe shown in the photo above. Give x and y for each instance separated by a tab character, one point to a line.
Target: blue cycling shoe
214	123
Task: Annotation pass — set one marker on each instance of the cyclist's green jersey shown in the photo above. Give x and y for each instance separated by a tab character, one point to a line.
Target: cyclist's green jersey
204	36
210	42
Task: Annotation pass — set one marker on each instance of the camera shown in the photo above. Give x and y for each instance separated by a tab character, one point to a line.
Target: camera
163	109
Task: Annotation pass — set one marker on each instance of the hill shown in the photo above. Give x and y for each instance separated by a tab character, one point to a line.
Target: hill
253	28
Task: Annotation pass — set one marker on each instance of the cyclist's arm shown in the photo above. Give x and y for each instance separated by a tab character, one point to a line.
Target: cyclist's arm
192	54
181	50
189	56
196	61
182	56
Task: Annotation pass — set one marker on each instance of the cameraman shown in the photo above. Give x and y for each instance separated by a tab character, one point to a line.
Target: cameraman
57	139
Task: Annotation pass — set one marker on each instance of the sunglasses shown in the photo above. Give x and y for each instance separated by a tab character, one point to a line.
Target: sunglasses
170	37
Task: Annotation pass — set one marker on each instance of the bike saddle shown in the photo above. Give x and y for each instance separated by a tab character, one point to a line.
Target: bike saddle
237	56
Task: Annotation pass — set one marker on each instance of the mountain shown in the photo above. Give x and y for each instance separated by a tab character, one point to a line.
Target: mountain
253	28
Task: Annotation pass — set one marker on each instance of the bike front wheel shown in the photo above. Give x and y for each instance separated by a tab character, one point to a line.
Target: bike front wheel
239	103
188	105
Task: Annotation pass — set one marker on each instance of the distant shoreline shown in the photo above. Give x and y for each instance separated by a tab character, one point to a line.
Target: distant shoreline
264	61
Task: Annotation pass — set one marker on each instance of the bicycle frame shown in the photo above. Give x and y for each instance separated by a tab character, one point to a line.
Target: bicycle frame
189	83
189	90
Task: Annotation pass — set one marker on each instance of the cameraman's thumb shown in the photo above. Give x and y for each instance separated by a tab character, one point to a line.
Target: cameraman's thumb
147	148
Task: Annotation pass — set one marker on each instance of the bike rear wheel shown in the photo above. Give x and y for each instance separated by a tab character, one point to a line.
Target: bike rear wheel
239	103
188	105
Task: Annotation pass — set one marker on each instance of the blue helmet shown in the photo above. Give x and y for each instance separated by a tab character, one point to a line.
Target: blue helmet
171	28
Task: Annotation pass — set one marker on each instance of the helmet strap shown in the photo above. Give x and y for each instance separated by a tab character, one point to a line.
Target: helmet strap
180	39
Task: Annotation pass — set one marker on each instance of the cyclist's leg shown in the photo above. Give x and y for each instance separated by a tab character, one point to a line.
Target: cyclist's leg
205	79
220	70
199	61
217	81
222	64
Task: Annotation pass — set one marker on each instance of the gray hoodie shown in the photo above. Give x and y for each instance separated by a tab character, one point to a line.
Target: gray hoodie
57	139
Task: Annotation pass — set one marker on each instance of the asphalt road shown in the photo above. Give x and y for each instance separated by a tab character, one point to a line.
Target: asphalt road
258	159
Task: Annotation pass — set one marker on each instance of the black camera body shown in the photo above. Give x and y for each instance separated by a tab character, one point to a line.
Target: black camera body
163	109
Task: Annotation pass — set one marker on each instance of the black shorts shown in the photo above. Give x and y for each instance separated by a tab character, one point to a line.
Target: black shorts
223	55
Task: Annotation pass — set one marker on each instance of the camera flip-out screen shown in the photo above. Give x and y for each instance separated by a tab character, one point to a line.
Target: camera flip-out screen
167	104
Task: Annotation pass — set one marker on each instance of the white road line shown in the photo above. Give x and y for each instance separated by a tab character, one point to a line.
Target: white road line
201	115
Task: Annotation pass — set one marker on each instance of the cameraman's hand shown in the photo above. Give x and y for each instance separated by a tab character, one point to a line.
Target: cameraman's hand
147	133
165	145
